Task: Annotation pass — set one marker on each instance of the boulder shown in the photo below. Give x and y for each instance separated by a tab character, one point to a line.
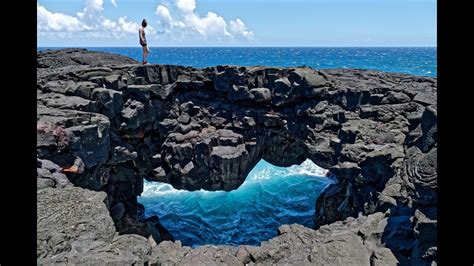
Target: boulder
110	101
261	95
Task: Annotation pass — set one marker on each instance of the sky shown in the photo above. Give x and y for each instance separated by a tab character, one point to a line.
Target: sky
176	23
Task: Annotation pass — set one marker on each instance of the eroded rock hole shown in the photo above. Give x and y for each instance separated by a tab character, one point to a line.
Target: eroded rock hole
270	197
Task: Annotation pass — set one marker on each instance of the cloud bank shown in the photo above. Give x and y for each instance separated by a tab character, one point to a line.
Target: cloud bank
90	23
177	21
186	23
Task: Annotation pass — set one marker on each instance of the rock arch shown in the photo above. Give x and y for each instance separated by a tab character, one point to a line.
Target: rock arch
114	123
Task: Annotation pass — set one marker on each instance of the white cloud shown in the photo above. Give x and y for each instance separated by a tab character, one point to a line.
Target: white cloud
95	5
50	21
166	20
186	6
164	14
92	13
178	22
128	26
210	26
186	23
90	23
123	27
109	24
238	27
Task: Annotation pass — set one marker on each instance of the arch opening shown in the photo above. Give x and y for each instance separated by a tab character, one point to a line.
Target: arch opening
269	197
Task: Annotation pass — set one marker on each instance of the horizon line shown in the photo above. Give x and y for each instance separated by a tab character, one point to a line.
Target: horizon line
239	46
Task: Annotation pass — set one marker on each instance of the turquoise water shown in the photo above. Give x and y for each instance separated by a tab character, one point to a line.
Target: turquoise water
416	60
270	196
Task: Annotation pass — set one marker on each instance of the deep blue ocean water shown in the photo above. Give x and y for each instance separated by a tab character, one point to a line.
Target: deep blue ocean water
416	61
270	196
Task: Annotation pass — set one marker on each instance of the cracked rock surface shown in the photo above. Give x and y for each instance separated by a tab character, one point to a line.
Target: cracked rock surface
104	123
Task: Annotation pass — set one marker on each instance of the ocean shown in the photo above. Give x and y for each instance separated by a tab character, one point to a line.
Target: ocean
417	61
270	196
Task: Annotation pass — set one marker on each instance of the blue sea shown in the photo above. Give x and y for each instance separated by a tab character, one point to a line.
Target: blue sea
271	195
417	61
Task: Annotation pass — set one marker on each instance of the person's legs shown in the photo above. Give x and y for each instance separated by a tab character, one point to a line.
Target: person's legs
145	49
143	54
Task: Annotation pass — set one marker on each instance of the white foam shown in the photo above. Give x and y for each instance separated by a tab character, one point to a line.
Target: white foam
151	189
310	168
261	172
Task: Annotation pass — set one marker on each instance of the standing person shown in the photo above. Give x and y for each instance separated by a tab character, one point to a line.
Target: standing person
143	43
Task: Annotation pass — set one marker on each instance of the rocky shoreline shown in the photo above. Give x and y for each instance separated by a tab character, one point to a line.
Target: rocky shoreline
104	123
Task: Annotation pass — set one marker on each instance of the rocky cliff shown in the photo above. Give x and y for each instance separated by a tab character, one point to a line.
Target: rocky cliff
104	123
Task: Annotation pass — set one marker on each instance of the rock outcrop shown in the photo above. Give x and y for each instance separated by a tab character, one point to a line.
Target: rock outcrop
350	242
105	123
84	233
74	227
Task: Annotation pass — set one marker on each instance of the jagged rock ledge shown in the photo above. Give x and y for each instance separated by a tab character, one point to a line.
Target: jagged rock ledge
105	123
